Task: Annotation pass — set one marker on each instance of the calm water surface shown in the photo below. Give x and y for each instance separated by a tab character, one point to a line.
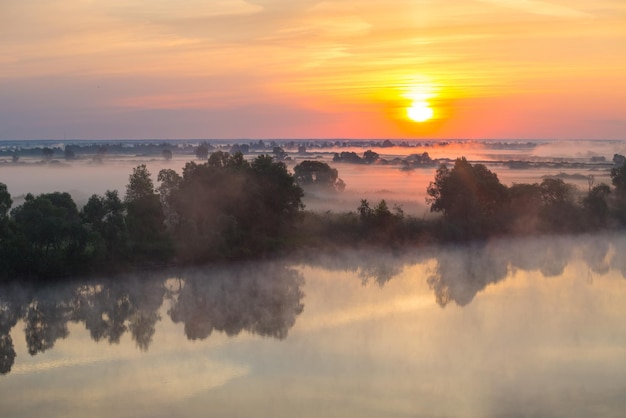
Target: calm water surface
533	327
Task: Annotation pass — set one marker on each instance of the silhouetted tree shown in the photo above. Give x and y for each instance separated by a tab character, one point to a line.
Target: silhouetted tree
166	154
370	157
596	206
105	216
170	183
69	153
202	152
145	221
5	201
228	207
525	203
318	174
50	235
47	153
470	197
100	154
279	153
559	212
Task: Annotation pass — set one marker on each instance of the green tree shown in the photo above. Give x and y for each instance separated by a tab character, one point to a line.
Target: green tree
105	216
230	208
470	197
170	183
5	201
49	236
6	247
145	222
139	184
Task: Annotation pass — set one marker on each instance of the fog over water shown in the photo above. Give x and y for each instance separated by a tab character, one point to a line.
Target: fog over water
530	327
518	327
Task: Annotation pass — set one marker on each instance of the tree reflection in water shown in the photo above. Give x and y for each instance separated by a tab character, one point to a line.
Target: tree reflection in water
462	271
265	299
261	299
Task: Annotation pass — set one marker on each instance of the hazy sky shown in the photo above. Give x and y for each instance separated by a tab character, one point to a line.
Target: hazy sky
312	69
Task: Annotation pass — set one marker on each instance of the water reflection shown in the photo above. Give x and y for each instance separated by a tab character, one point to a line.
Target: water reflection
265	299
459	273
261	299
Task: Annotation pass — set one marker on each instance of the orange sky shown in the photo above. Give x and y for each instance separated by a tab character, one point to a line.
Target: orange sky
312	69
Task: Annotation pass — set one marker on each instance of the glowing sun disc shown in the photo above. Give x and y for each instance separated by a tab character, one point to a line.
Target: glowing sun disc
420	112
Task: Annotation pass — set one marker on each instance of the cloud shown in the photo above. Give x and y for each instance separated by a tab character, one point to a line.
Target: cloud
540	8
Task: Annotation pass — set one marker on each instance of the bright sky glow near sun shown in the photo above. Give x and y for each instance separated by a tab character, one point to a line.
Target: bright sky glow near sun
312	69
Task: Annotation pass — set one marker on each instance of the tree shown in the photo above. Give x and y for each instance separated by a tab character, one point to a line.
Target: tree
105	216
139	184
100	154
618	178
230	208
202	152
279	153
5	201
470	197
49	235
166	154
69	153
145	221
596	206
170	183
6	247
559	212
318	174
525	202
370	157
47	153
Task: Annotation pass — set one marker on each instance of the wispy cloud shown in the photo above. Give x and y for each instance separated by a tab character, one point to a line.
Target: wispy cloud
540	8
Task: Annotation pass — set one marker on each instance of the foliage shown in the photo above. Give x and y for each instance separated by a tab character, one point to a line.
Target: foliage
318	174
202	152
559	212
596	205
5	201
618	177
105	215
230	208
47	153
470	197
49	236
139	184
69	153
145	221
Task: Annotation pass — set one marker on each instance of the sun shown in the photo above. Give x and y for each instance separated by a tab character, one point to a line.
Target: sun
420	111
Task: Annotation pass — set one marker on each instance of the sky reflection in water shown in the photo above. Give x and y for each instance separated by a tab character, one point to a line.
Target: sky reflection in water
532	327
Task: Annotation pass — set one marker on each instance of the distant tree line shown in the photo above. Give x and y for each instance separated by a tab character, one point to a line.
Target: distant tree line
475	204
229	208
